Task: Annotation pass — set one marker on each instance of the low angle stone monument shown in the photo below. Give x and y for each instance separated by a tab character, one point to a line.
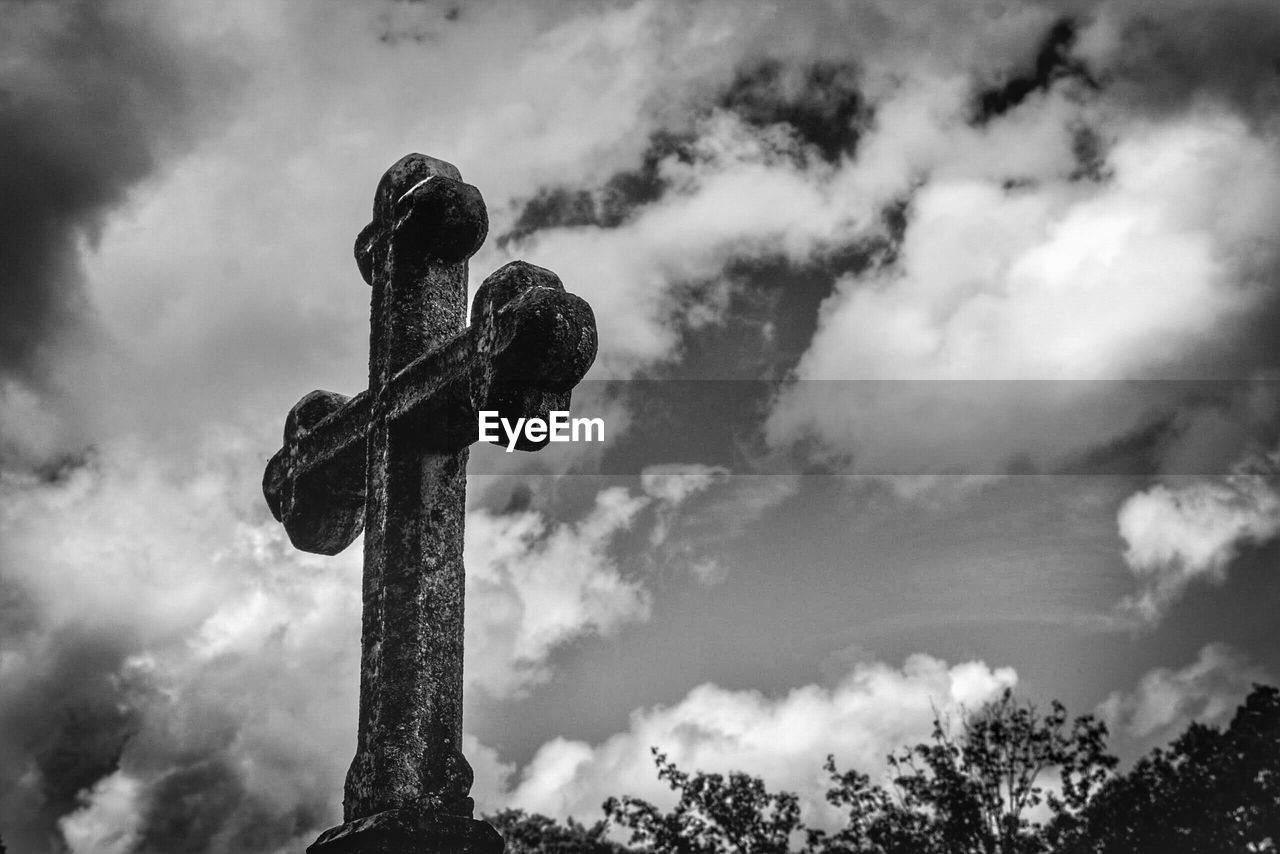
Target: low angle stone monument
391	461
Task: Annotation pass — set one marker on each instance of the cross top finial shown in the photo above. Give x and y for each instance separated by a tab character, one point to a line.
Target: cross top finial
425	196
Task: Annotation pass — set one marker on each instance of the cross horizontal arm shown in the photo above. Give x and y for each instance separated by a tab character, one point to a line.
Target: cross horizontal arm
542	340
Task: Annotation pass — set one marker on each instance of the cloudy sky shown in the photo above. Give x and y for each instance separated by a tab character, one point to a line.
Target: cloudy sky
938	354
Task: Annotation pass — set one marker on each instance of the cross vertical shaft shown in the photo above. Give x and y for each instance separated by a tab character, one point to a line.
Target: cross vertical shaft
409	746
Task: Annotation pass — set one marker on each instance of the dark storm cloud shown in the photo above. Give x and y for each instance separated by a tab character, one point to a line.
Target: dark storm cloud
1053	62
818	104
203	806
83	745
87	95
93	97
607	206
1169	55
773	302
775	293
69	723
520	501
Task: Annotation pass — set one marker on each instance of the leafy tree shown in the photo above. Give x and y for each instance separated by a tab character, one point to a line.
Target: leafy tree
877	822
1212	791
986	785
974	791
968	790
533	833
715	815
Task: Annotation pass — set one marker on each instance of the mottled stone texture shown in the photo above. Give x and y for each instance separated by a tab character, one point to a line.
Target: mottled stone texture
392	461
405	830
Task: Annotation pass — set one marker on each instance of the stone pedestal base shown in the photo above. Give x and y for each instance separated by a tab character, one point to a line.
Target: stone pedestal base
405	832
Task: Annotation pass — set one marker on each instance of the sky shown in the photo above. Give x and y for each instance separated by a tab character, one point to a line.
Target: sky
937	356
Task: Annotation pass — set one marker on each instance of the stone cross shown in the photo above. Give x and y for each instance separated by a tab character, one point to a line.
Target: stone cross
392	461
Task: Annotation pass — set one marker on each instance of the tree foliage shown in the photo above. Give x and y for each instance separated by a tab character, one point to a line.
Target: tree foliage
969	790
975	789
1210	792
1006	778
714	815
533	833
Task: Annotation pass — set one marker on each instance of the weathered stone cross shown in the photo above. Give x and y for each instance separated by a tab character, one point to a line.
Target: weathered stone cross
392	460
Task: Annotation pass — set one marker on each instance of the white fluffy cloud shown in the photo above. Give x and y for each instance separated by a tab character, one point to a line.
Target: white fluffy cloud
1054	290
737	200
534	584
195	637
1065	280
1177	535
216	658
676	482
107	820
1165	700
873	710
